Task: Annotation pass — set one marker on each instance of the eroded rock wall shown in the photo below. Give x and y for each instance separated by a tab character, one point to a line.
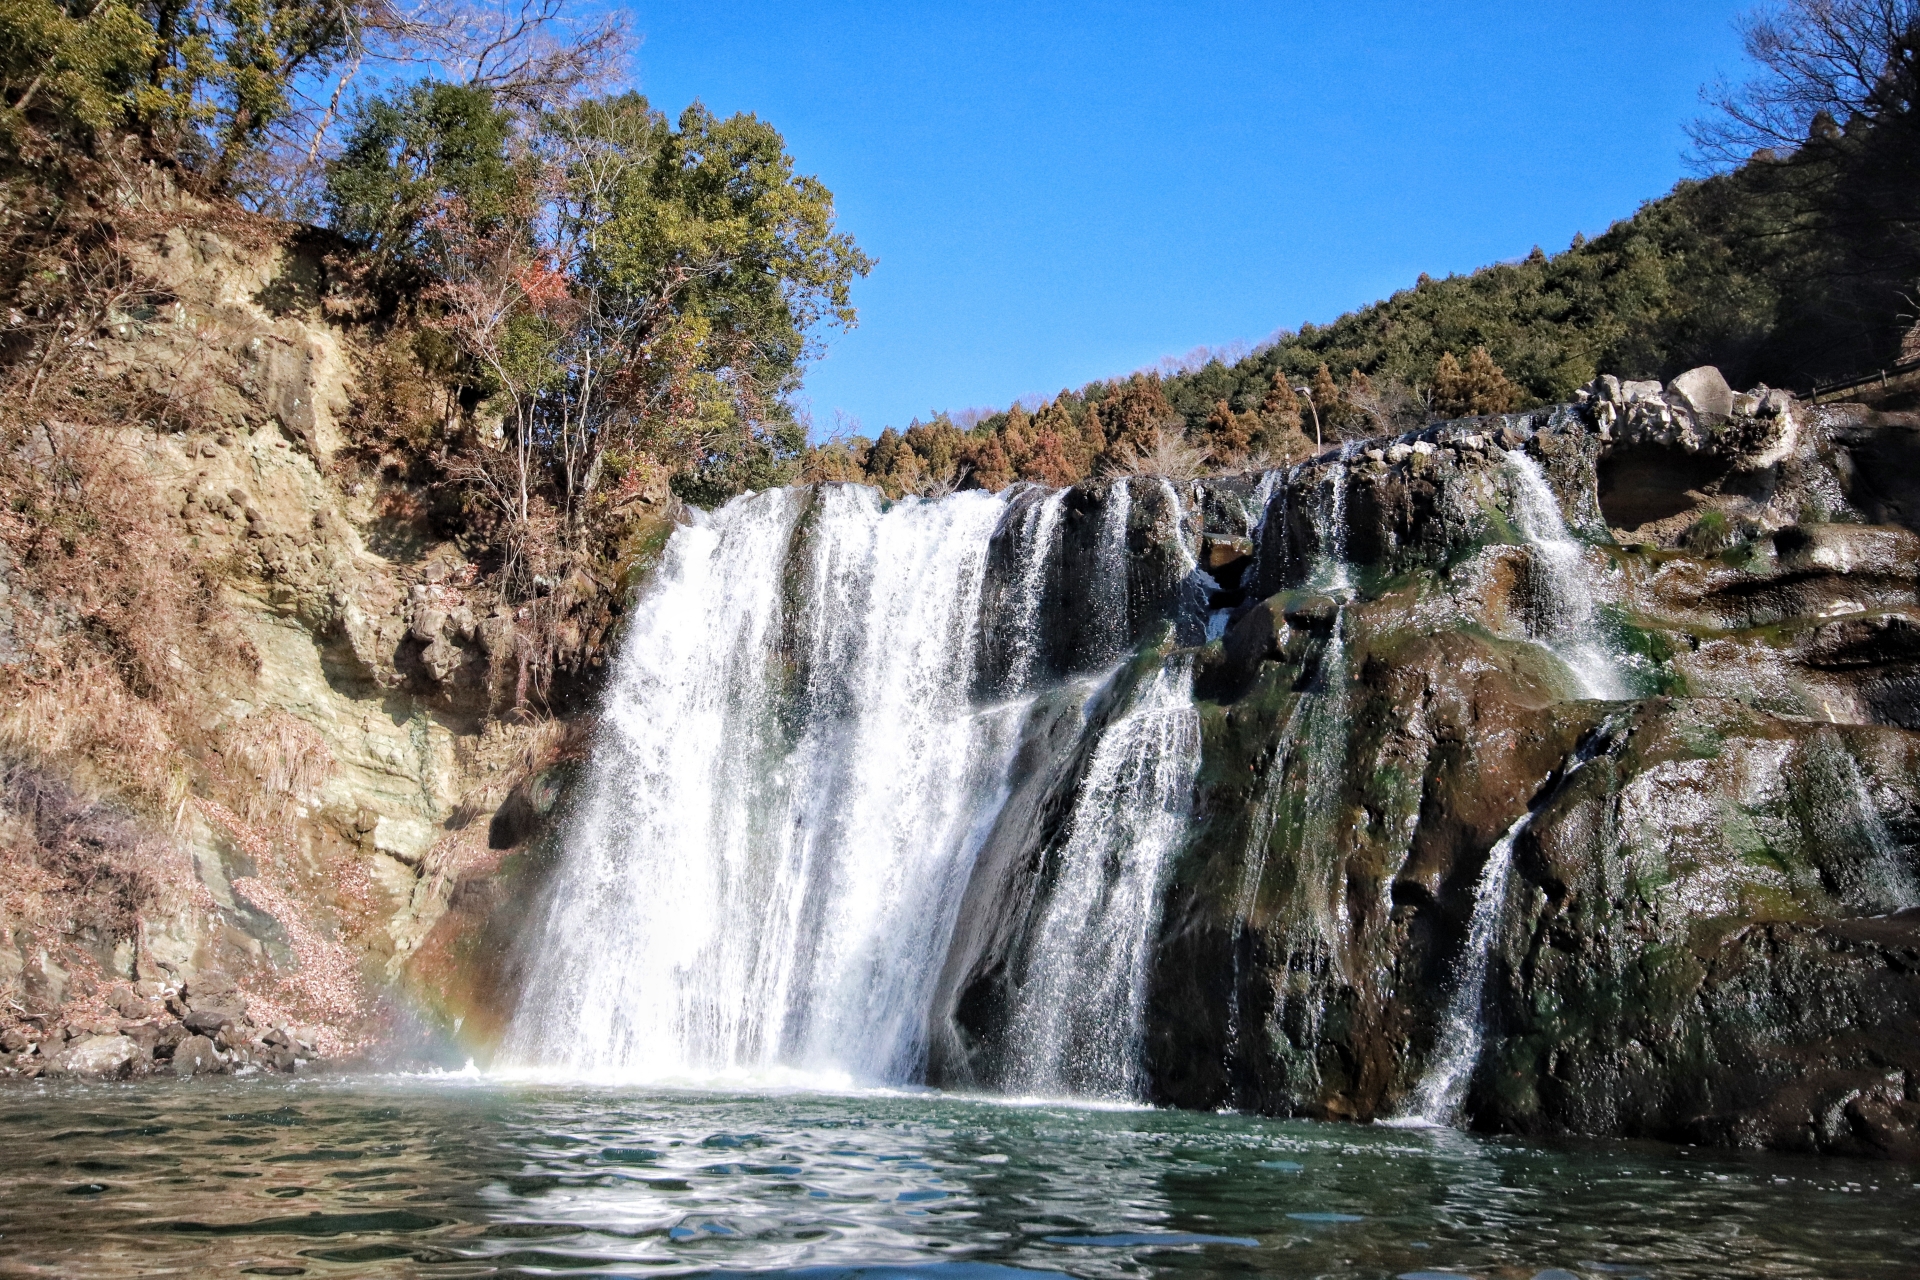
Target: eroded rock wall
1708	932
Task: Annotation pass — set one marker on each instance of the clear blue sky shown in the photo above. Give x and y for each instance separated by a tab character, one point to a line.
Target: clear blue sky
1061	192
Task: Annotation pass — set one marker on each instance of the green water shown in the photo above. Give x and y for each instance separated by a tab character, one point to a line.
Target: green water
454	1177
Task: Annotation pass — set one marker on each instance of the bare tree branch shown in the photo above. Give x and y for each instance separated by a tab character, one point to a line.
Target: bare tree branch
1822	64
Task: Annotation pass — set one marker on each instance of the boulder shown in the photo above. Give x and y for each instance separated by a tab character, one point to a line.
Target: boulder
196	1056
170	1037
1848	549
14	1039
97	1057
428	623
209	983
208	1020
1639	392
1704	391
208	1012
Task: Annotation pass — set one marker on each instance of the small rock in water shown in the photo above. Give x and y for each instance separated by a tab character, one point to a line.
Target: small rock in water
196	1056
1285	1166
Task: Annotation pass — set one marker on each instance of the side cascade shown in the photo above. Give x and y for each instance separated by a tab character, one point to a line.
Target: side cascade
1565	614
1079	1021
1436	1099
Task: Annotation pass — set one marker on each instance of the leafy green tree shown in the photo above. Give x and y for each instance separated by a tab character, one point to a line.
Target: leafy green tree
623	283
703	267
80	70
200	82
429	146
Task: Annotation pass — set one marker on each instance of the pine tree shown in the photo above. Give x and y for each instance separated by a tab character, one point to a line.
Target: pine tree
1279	438
1492	392
1134	420
1228	435
991	469
1481	387
1048	463
1280	410
1332	413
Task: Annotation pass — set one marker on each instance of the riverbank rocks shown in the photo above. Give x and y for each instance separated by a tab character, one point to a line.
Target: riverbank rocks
195	1056
206	1019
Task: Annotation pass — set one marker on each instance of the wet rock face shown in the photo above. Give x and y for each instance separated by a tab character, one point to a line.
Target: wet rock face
1708	931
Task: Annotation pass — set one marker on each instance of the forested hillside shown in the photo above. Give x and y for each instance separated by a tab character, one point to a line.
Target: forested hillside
1796	265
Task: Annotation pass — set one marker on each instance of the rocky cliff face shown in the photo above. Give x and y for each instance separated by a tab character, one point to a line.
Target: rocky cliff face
1681	906
333	764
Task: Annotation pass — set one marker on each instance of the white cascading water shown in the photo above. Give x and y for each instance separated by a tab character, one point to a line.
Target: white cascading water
1079	1019
1566	615
1037	534
747	889
1436	1099
1849	814
1110	564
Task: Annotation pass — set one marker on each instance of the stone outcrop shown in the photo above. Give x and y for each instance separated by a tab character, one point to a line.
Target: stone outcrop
1708	934
201	1029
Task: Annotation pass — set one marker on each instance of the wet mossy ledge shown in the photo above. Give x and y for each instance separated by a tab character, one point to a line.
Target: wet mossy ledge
1706	931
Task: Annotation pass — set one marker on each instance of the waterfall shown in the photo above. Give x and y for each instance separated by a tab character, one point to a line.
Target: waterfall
1436	1099
1189	563
1253	866
1333	573
1848	818
1038	531
1310	754
787	790
1078	1024
1111	564
1438	1095
1565	615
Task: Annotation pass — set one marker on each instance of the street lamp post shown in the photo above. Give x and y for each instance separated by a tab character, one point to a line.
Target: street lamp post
1308	393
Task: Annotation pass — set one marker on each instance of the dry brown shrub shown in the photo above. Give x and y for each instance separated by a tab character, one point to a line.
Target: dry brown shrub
72	854
269	762
117	629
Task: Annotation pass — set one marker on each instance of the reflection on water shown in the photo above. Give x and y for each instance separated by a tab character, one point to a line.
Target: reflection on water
454	1177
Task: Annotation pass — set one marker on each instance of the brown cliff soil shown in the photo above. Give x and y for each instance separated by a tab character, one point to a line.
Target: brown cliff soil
259	692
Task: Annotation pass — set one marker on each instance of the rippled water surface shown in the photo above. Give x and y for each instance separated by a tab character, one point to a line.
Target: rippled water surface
399	1177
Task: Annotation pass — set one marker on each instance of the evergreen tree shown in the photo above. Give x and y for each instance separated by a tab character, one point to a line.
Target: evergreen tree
1228	435
1482	387
1323	405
